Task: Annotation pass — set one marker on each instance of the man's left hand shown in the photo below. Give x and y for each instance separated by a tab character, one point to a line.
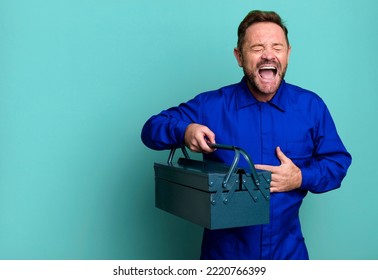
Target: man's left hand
285	177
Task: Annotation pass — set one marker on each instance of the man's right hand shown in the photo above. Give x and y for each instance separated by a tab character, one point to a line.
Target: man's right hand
197	136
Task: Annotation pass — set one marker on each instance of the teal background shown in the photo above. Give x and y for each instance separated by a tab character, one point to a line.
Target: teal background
78	79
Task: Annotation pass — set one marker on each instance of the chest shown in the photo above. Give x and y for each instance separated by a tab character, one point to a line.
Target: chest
261	128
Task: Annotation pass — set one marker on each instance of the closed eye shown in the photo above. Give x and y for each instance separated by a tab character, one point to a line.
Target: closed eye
257	49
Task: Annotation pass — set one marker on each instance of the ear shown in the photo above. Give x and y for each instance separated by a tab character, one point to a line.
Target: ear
288	54
238	56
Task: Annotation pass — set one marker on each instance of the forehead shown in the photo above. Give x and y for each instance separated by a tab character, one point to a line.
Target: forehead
265	33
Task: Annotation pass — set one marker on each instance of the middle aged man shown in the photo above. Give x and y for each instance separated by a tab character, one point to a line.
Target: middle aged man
286	129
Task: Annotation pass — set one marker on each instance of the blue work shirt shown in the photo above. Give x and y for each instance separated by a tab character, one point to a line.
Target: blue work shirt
297	121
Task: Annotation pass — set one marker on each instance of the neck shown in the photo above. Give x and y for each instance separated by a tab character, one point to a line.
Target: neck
260	96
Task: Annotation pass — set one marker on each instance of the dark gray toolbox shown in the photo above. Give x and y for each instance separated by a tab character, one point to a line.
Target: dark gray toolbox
212	194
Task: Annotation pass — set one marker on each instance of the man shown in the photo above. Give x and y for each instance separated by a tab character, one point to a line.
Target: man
285	129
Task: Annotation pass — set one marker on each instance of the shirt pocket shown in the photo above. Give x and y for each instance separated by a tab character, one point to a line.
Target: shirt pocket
300	152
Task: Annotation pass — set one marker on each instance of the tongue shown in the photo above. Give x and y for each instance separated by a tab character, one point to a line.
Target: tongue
267	74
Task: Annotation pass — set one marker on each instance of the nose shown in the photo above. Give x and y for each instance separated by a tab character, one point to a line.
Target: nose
268	53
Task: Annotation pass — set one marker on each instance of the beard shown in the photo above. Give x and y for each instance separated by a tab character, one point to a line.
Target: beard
266	90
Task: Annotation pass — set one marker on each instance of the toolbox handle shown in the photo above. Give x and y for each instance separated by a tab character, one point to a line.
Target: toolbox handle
172	153
234	164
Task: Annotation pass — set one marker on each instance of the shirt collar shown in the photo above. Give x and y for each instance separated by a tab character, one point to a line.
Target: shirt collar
245	98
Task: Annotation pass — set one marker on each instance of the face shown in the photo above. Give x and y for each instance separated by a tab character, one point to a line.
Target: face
264	58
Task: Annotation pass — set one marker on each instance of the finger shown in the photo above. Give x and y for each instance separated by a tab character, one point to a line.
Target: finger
281	156
208	137
275	186
196	136
266	167
194	146
274	189
205	148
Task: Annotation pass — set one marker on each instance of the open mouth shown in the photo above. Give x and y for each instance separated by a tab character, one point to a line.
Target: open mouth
268	73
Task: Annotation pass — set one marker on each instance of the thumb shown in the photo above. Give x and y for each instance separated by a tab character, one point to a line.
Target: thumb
281	156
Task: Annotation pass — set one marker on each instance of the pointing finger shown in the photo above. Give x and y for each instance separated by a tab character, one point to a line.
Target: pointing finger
265	167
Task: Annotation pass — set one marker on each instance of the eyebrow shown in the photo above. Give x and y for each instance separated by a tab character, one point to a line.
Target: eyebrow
263	45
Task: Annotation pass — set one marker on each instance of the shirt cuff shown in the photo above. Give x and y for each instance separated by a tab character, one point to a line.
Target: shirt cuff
180	131
307	179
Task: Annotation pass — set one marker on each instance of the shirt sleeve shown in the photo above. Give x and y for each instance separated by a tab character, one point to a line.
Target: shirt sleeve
166	130
330	160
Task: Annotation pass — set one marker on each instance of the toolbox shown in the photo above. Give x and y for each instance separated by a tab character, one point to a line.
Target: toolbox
212	194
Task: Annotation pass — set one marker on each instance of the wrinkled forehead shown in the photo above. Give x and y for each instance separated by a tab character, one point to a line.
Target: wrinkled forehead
265	33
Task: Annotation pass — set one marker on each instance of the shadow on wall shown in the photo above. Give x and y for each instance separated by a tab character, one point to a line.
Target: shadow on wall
153	233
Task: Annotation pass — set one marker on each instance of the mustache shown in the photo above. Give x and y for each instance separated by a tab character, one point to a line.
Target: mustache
265	61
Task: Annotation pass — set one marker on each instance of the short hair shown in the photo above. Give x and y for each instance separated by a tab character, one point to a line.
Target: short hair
257	16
